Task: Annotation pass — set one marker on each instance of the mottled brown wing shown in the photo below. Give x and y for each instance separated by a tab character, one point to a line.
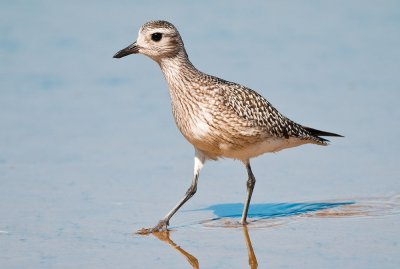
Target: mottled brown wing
251	106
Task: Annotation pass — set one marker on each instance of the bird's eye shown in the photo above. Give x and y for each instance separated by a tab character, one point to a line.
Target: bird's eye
156	37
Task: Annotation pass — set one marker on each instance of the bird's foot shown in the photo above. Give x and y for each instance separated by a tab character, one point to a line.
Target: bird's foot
160	227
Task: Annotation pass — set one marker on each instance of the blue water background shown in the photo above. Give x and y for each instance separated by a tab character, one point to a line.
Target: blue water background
89	152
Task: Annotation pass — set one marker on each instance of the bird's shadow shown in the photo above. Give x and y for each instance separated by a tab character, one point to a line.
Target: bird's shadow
272	214
271	210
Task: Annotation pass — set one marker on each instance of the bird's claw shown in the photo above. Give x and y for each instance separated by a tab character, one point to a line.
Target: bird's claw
162	226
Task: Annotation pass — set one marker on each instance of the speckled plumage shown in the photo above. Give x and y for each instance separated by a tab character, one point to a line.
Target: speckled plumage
219	118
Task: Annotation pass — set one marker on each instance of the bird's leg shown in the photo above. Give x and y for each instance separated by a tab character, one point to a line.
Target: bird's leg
162	225
251	181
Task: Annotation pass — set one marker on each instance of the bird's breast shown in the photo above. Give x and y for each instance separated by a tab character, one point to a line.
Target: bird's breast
194	122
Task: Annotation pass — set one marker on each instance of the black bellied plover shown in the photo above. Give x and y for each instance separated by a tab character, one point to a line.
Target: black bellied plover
221	119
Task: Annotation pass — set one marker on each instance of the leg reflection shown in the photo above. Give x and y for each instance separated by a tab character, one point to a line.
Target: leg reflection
250	252
164	236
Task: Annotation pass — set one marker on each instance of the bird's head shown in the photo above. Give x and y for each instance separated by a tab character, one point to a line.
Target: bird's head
158	40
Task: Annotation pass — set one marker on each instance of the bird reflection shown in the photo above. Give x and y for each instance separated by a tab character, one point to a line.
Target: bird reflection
164	236
250	252
193	261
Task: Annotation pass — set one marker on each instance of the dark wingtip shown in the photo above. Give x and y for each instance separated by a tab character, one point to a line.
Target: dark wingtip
332	134
321	133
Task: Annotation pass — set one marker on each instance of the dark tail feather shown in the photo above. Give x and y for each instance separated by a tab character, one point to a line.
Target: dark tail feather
320	133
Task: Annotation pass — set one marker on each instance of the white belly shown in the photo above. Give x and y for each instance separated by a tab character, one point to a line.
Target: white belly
268	145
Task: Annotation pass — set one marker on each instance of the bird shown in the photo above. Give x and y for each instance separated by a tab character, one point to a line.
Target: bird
221	119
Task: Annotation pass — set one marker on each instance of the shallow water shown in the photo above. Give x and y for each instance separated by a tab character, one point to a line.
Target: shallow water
89	152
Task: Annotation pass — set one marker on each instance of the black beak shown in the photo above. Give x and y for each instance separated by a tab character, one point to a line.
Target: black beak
131	49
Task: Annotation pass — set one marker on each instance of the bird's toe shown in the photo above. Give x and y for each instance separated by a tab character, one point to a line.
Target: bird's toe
162	226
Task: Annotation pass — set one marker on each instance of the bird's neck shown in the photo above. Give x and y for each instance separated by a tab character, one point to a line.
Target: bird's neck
178	72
